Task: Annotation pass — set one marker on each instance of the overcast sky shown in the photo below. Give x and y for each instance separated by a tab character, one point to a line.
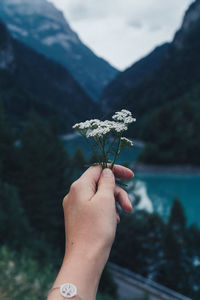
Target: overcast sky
122	31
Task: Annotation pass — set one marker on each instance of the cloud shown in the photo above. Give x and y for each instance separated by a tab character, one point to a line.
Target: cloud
123	31
134	23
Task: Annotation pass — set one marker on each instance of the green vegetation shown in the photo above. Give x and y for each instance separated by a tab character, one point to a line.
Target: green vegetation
168	252
35	174
167	105
22	277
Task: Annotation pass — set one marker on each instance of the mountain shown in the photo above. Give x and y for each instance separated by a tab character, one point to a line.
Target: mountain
41	26
118	88
30	81
167	102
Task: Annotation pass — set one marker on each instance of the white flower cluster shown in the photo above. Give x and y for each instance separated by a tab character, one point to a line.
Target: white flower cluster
87	124
98	132
126	142
124	116
96	128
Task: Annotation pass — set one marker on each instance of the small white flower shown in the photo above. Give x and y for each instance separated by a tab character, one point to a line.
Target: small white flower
126	141
129	120
98	132
127	112
120	127
124	116
87	124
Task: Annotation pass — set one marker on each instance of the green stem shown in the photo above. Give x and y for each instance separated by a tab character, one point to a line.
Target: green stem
111	145
104	153
116	153
102	146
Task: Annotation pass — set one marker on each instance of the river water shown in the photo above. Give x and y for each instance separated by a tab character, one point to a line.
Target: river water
156	190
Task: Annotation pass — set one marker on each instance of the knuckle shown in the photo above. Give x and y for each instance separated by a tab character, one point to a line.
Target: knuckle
74	186
64	201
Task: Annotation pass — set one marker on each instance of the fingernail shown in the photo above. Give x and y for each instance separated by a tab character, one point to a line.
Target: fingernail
107	173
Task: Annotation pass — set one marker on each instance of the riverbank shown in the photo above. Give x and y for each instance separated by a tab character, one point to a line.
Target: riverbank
165	169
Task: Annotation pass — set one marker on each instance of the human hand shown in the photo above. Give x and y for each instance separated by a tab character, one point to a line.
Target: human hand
90	224
90	210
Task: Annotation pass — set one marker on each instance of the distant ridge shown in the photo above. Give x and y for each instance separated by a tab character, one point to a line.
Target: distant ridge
167	102
41	26
30	81
124	81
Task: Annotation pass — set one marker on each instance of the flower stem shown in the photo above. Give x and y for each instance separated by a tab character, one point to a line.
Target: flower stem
111	145
116	153
104	153
102	146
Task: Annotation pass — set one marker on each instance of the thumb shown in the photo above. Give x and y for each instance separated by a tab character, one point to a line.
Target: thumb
106	182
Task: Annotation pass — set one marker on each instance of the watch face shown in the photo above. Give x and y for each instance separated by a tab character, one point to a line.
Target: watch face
68	290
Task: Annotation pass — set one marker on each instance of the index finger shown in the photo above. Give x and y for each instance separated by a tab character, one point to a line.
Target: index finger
93	173
91	176
122	172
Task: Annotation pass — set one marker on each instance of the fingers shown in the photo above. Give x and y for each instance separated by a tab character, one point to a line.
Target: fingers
122	172
91	177
106	182
88	182
122	198
117	213
93	173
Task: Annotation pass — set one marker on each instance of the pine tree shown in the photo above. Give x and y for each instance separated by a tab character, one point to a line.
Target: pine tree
14	227
173	271
43	181
7	150
193	262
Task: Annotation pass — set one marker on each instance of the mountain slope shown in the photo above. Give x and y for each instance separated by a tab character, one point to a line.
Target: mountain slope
29	80
167	104
122	83
41	26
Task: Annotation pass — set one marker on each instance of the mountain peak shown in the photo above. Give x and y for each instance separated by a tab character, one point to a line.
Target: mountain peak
192	15
40	25
6	50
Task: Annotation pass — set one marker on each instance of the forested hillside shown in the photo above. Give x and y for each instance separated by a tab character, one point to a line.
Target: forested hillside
125	81
167	102
41	26
29	81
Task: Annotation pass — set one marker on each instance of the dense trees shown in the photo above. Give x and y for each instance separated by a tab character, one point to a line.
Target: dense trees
36	172
165	252
43	181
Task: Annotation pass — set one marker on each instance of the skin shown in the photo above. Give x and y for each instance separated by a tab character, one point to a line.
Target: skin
91	219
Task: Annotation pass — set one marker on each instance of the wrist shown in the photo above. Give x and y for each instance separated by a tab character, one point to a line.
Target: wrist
83	269
96	252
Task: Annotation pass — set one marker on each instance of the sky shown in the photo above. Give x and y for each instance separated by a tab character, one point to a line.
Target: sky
123	31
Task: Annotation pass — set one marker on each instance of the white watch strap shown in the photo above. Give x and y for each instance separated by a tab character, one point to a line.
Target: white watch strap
67	290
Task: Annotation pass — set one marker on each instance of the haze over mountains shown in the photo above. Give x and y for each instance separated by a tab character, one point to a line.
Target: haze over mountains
41	26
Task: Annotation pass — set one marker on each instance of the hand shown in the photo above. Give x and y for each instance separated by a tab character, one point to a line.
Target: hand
90	210
90	224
